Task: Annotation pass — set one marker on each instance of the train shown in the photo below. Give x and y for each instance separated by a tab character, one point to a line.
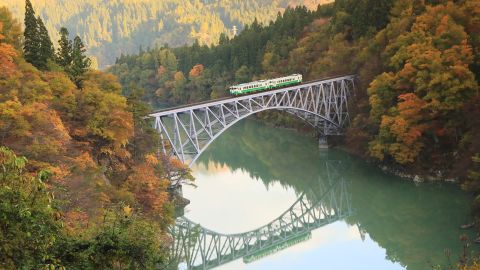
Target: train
263	85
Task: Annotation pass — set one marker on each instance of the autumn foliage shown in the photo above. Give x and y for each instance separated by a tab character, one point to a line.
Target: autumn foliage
103	175
196	70
419	102
7	52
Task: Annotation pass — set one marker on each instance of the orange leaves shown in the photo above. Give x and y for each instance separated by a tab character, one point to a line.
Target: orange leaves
410	106
103	115
161	70
84	161
400	136
442	27
33	129
430	81
149	189
196	71
150	159
7	53
75	220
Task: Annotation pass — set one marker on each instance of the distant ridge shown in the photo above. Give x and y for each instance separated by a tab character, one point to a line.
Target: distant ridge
110	28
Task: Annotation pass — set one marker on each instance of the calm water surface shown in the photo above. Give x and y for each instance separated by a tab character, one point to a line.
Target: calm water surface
253	173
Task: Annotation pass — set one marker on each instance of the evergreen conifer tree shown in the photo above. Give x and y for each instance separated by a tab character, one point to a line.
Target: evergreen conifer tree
46	50
64	52
32	41
80	62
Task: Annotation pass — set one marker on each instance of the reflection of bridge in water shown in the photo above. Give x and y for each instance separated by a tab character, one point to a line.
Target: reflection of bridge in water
325	203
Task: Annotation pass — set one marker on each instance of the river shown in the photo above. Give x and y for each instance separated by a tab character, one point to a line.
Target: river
253	173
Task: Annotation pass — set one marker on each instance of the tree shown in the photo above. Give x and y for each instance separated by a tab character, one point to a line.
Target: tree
64	51
32	36
242	75
12	29
46	51
7	53
28	225
80	62
144	134
196	71
168	60
149	189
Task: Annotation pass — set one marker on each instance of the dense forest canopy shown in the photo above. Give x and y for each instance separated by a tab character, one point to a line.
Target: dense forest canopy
110	28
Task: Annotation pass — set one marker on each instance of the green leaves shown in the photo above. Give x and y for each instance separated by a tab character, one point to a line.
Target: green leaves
26	217
38	47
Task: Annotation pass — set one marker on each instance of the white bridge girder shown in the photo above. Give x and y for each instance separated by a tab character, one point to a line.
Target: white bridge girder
187	131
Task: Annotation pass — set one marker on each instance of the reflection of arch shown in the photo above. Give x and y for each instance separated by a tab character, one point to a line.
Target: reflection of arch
187	131
201	248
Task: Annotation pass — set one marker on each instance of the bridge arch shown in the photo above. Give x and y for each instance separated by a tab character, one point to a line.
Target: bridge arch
300	113
185	132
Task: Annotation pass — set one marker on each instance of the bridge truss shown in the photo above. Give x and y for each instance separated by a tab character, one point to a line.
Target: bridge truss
187	131
201	248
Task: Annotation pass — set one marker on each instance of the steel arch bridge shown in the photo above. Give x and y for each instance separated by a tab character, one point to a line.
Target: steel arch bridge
201	248
186	131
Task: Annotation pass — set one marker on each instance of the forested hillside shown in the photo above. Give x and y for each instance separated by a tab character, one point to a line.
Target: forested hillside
416	107
110	28
80	186
193	73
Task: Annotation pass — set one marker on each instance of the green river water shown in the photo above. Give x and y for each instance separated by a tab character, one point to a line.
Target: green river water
253	172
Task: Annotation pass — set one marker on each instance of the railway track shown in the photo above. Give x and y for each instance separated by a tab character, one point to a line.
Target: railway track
229	97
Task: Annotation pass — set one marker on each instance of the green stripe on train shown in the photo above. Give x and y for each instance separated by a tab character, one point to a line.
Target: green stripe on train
265	88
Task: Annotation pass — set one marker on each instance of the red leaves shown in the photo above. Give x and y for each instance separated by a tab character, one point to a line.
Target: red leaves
7	53
196	71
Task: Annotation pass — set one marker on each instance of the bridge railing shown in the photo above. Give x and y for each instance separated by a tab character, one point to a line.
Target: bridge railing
185	132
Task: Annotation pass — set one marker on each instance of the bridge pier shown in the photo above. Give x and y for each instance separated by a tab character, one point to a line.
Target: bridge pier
322	142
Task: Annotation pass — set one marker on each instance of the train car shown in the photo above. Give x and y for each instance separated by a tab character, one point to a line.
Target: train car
263	85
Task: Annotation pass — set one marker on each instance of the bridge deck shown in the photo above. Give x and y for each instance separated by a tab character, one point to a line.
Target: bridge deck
201	104
185	131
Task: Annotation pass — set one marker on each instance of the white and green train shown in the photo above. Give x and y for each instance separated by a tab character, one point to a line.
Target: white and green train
262	85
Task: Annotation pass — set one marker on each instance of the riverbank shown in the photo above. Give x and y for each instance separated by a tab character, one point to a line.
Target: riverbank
343	143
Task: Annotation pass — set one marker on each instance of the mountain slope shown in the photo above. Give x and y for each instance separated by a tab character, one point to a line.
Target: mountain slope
110	28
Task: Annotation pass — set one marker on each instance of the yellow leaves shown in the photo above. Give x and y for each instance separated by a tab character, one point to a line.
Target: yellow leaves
398	126
178	76
176	163
404	154
474	266
151	160
376	150
127	211
84	161
104	198
103	115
